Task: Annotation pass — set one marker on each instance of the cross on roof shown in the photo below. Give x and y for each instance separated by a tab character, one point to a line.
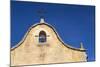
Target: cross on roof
41	12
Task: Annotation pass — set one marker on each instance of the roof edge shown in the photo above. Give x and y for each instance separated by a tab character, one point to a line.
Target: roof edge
23	39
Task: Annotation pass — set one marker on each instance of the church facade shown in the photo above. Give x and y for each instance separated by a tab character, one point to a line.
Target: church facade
42	45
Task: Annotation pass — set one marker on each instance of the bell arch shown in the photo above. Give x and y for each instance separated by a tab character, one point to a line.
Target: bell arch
42	37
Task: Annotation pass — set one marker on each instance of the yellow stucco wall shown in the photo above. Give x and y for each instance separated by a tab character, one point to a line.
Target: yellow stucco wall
30	51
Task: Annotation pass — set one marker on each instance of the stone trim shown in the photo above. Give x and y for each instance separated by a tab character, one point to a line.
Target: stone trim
23	39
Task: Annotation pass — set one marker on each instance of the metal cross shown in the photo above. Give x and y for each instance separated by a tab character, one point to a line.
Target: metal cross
41	12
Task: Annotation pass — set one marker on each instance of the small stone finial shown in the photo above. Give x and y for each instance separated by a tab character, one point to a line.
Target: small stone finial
81	46
42	20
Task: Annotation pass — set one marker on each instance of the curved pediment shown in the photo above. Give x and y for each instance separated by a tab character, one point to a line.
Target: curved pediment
42	22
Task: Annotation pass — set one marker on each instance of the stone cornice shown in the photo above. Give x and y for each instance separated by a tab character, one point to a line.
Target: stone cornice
66	45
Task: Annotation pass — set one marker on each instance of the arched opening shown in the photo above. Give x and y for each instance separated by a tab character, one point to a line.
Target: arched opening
42	37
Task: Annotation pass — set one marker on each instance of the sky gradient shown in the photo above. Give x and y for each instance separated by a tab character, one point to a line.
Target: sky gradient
74	23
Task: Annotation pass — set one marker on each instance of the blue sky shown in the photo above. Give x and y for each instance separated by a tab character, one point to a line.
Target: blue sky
74	23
